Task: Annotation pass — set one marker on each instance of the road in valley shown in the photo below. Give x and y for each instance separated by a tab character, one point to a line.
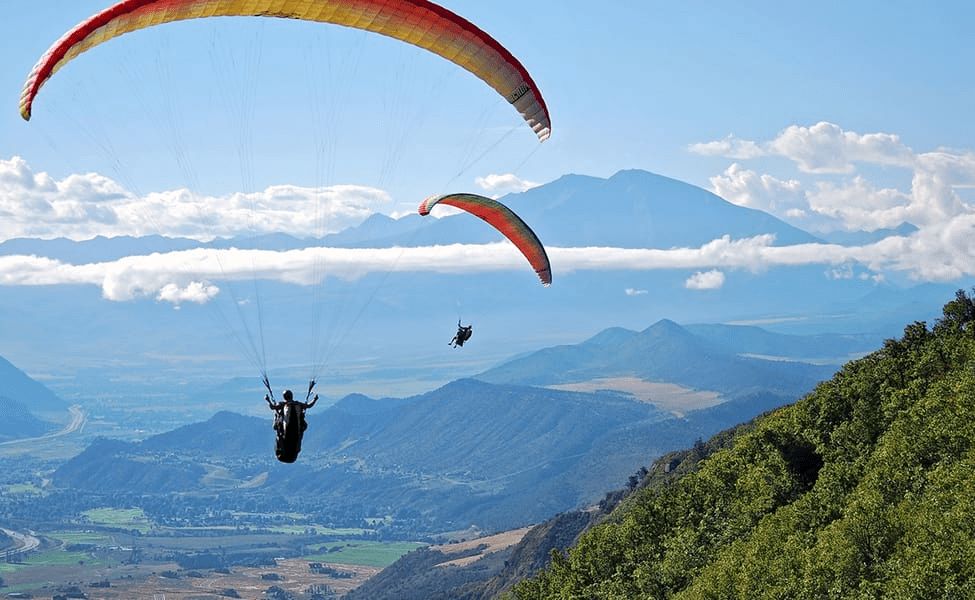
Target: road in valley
26	542
78	419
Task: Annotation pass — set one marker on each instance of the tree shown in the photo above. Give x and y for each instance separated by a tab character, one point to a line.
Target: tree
959	314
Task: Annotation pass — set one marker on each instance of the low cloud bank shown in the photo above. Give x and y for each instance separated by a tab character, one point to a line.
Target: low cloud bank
195	275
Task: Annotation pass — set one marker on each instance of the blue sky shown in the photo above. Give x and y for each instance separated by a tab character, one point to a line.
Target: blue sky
834	116
630	84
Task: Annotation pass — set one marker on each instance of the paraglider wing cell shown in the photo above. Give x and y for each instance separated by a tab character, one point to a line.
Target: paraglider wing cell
504	220
418	22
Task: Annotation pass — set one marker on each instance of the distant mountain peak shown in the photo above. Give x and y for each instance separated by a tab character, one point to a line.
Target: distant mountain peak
666	326
640	209
377	218
465	383
611	336
664	352
225	415
356	404
631	174
906	228
574	177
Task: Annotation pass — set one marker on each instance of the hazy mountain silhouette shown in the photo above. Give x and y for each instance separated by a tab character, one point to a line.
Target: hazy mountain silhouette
33	396
664	352
18	422
471	452
491	454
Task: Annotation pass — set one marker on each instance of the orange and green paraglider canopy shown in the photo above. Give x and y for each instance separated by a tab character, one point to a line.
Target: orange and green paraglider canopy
418	22
504	220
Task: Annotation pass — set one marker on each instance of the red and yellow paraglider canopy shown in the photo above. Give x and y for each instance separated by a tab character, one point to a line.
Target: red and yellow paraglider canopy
418	22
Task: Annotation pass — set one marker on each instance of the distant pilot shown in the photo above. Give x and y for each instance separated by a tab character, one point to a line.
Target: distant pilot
463	334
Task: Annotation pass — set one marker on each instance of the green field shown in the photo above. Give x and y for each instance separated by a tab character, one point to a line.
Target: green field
301	529
51	558
123	518
287	515
218	528
22	488
370	554
82	537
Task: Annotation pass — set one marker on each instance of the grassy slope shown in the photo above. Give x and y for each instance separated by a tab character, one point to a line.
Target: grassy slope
862	489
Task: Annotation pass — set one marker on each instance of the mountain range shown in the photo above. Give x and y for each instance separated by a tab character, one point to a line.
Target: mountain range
475	452
385	325
663	352
636	209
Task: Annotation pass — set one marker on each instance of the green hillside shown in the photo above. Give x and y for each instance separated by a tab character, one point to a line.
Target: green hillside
863	489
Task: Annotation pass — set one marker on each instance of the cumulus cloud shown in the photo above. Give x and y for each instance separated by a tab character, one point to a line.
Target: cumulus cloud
635	292
821	148
851	204
859	206
937	176
828	148
705	280
745	187
198	292
82	206
498	185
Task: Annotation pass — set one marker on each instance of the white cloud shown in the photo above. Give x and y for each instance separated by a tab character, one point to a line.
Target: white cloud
858	206
498	185
933	195
199	292
850	271
705	280
828	148
854	204
842	272
821	148
188	276
635	292
83	206
940	253
745	187
729	147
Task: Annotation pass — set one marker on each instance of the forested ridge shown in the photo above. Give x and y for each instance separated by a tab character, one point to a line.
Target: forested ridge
865	488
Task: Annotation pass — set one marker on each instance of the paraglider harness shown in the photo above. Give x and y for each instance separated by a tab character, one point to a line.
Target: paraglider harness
463	334
289	421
